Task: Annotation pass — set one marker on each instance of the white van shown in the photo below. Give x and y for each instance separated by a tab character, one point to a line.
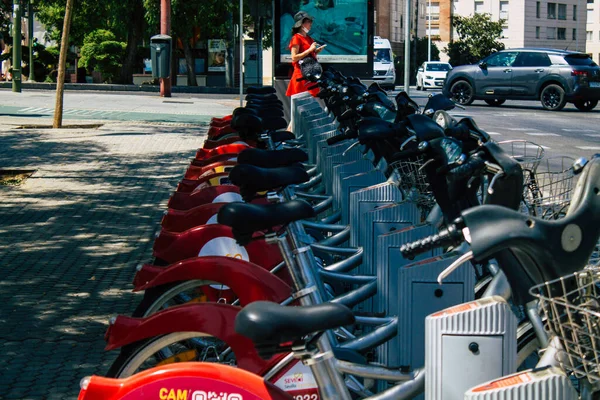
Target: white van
383	63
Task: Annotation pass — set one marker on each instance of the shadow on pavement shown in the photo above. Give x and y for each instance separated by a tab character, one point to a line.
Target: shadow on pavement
70	239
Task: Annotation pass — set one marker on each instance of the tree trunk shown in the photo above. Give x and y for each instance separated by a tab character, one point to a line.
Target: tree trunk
62	66
189	61
134	36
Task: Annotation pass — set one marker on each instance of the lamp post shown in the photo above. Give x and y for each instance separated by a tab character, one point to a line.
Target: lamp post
429	31
17	51
30	34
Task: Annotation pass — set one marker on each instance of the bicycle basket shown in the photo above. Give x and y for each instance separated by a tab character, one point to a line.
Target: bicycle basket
413	182
547	194
526	153
572	307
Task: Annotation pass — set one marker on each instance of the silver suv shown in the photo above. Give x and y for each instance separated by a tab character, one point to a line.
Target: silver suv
554	77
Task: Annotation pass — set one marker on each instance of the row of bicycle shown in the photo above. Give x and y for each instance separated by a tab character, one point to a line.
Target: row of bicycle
353	222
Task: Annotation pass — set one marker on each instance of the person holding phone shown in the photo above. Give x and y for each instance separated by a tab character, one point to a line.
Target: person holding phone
301	46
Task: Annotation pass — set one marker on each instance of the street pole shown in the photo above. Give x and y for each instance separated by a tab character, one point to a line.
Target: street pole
62	66
165	29
241	52
30	34
17	57
407	18
429	31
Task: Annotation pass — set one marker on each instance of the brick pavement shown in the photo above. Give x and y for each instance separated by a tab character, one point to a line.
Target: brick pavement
70	239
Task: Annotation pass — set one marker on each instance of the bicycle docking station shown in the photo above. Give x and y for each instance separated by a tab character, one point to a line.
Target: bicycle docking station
381	220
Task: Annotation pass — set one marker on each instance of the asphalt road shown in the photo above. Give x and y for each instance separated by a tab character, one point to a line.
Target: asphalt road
568	132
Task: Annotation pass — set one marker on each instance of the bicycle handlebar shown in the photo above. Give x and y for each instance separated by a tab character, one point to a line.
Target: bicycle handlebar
450	236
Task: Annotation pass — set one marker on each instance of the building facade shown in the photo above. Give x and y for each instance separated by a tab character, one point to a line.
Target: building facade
550	24
593	29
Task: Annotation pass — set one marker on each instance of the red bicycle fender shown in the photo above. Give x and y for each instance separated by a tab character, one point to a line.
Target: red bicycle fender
203	154
221	119
185	201
194	172
215	319
220	141
175	247
189	381
177	221
194	185
248	281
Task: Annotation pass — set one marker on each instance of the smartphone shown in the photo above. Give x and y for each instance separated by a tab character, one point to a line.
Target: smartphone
321	46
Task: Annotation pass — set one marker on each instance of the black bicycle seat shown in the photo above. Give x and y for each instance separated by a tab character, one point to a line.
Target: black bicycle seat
269	112
243	110
282	136
246	218
253	179
247	123
261	97
261	90
270	324
371	128
271	158
273	124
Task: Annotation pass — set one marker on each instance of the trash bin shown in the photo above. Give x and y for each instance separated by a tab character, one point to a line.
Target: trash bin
160	51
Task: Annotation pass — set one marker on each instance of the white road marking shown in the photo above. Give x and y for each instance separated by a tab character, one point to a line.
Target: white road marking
541	134
578	130
521	129
494	133
593	135
588	147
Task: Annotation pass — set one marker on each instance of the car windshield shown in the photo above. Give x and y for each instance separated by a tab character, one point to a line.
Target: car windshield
382	55
438	67
580	59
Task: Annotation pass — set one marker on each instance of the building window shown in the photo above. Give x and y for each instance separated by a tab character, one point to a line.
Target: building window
562	11
435	11
537	9
574	13
479	7
590	15
574	34
589	35
537	32
551	10
561	33
590	1
504	10
550	33
505	32
433	32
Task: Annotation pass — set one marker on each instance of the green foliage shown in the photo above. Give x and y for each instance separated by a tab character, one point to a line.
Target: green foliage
477	38
103	53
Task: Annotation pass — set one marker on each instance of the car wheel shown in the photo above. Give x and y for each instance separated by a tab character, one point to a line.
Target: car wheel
553	98
462	93
495	102
586	105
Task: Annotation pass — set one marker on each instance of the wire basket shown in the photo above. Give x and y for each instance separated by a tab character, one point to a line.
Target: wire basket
526	153
413	182
572	307
547	194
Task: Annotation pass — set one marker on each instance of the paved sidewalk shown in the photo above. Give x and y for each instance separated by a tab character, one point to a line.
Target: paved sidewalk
70	239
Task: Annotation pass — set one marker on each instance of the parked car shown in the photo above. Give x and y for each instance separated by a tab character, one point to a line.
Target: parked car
432	74
554	77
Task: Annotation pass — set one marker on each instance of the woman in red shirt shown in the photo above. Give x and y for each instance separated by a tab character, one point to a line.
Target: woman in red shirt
302	46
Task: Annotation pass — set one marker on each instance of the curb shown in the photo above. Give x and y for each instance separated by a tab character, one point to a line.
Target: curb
123	88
